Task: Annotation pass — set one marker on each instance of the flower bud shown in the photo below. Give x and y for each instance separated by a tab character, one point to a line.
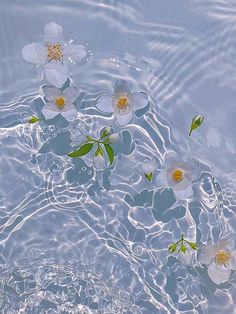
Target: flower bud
114	138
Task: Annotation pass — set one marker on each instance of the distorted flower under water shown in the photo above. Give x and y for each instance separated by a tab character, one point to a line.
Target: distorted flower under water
221	260
53	54
59	101
123	103
178	175
148	168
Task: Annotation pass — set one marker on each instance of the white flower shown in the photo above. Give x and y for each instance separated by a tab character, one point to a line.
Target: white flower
185	258
178	175
148	168
53	54
122	103
220	260
59	101
114	138
99	163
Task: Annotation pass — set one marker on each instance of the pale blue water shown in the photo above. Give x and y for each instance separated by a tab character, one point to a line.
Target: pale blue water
75	241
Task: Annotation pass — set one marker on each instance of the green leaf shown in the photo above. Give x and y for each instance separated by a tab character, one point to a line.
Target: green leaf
83	150
89	139
34	119
196	123
99	151
172	248
110	152
183	248
193	245
149	176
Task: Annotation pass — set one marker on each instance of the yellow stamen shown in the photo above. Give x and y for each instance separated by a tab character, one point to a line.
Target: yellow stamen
122	103
55	52
222	258
178	175
60	102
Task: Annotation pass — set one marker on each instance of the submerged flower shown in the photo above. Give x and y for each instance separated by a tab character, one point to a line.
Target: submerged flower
123	103
53	54
178	175
148	168
220	260
59	101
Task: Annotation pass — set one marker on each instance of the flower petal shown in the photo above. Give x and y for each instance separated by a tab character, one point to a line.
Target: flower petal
53	33
122	86
50	92
70	112
232	264
124	119
218	274
140	100
191	167
207	254
184	194
161	180
225	244
99	163
149	166
104	103
185	258
56	73
70	93
74	52
50	110
171	159
35	53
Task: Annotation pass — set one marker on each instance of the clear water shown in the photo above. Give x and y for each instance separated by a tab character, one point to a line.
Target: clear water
75	241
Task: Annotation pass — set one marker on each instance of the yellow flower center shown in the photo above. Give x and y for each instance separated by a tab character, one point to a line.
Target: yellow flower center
178	175
55	52
222	258
122	103
60	102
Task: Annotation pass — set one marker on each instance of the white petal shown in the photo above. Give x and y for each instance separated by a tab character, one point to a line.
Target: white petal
181	185
149	166
104	103
51	93
99	163
207	254
185	258
184	194
53	33
218	274
56	73
74	52
50	110
232	264
161	180
171	159
191	167
124	119
70	94
225	244
140	100
114	138
35	53
70	112
122	86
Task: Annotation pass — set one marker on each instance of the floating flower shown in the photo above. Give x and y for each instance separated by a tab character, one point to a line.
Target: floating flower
148	168
123	103
53	54
220	260
178	175
59	101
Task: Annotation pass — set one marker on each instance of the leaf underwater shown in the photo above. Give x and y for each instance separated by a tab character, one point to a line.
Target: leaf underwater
83	150
34	120
149	176
110	152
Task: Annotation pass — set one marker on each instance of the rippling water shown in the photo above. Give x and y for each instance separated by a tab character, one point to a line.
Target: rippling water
75	241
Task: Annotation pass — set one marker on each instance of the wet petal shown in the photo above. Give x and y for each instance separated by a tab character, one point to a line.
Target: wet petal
184	194
218	274
179	185
140	100
225	244
74	52
207	254
56	73
70	94
99	163
122	86
172	159
149	165
161	180
35	53
104	103
124	119
51	93
70	112
232	263
185	258
192	168
50	110
53	33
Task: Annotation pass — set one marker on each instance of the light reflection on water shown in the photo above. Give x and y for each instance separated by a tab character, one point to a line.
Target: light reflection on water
76	241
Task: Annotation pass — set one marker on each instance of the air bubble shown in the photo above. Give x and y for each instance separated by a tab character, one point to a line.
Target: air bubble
83	168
